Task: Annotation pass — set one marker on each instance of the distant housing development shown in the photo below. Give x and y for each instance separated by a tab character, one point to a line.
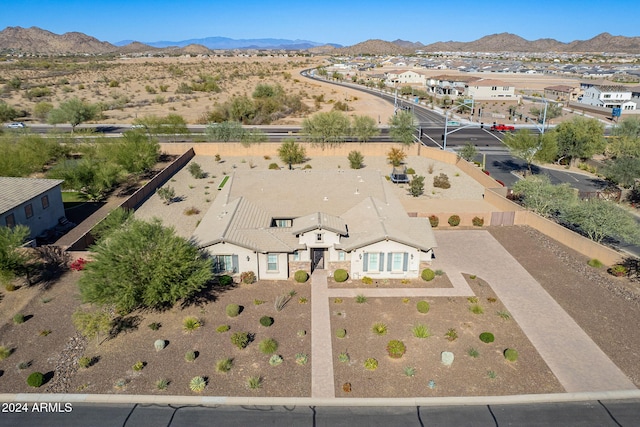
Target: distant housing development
36	203
277	222
608	97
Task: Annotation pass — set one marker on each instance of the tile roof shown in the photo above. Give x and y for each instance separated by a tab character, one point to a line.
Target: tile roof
16	191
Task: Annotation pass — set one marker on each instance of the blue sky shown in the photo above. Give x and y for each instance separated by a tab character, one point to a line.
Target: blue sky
343	22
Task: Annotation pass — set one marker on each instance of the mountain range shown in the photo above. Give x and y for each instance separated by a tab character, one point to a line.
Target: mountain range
39	41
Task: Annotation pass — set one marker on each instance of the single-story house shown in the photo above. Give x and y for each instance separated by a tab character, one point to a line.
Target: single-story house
277	222
34	202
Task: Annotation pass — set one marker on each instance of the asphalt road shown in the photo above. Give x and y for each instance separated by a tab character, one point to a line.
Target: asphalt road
615	413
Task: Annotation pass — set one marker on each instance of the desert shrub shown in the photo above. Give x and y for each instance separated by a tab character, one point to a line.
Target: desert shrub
618	270
371	364
159	344
511	355
197	384
196	171
154	326
275	360
451	334
162	384
301	276
36	379
409	371
240	339
396	349
225	280
268	346
441	181
232	310
343	357
434	220
421	331
504	314
224	365
341	333
266	321
191	211
477	221
190	356
379	328
472	352
18	319
595	263
476	309
190	324
361	299
84	362
439	272
301	358
281	301
367	280
411	171
423	307
248	277
254	382
274	166
454	220
340	275
5	352
138	366
223	328
428	274
487	337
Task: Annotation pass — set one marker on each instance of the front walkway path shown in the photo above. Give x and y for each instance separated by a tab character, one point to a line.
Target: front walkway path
322	383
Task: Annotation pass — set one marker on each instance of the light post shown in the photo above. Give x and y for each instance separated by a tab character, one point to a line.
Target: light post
446	122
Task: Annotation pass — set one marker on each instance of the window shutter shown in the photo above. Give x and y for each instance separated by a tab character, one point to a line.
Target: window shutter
389	261
381	264
234	263
365	264
405	262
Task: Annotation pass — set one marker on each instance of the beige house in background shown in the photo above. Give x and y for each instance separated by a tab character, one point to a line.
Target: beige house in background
490	90
277	222
561	93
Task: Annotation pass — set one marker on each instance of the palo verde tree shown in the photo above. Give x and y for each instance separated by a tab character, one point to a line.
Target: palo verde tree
403	127
529	147
537	193
364	128
74	112
599	219
326	129
143	265
468	152
579	138
291	153
12	259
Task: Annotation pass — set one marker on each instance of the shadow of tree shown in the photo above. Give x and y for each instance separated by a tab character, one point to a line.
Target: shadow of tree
209	293
124	324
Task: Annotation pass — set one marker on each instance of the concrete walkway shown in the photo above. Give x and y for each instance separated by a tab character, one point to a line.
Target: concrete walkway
578	363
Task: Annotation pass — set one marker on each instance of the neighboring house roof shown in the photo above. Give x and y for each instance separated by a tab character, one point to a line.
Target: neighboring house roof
16	191
561	88
612	88
354	204
490	82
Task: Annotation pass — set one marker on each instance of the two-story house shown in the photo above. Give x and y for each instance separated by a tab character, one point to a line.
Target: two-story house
608	96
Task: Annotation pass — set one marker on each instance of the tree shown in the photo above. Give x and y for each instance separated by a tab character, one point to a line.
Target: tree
74	112
364	128
115	220
41	110
12	259
416	186
92	324
538	194
355	159
623	171
403	127
326	129
599	218
468	152
225	131
579	138
626	139
134	152
144	265
553	110
7	112
291	152
396	156
529	147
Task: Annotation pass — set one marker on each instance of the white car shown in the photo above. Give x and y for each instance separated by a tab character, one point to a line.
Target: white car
16	125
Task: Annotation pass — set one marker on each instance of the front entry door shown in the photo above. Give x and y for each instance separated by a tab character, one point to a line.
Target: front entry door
317	259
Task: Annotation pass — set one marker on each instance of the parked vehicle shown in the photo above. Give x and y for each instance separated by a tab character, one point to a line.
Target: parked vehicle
502	128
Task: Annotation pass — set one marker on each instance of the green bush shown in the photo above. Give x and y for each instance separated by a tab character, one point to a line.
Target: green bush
421	331
434	220
301	276
396	349
595	263
224	365
223	328
18	319
301	358
411	171
487	337
248	277
225	280
454	220
511	355
428	274
274	166
340	275
138	366
197	384
232	310
36	379
268	346
341	333
423	307
367	280
477	221
275	360
371	364
84	362
240	339
451	334
190	356
266	321
379	328
441	181
190	324
5	352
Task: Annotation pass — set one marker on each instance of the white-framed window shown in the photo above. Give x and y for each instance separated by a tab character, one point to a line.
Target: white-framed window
342	256
296	256
272	262
373	264
225	263
397	259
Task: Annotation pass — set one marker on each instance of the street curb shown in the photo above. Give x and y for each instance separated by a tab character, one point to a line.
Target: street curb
307	401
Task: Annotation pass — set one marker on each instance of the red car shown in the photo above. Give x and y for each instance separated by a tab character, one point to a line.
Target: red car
502	128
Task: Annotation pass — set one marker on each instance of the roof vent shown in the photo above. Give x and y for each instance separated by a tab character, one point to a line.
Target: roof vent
325	198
